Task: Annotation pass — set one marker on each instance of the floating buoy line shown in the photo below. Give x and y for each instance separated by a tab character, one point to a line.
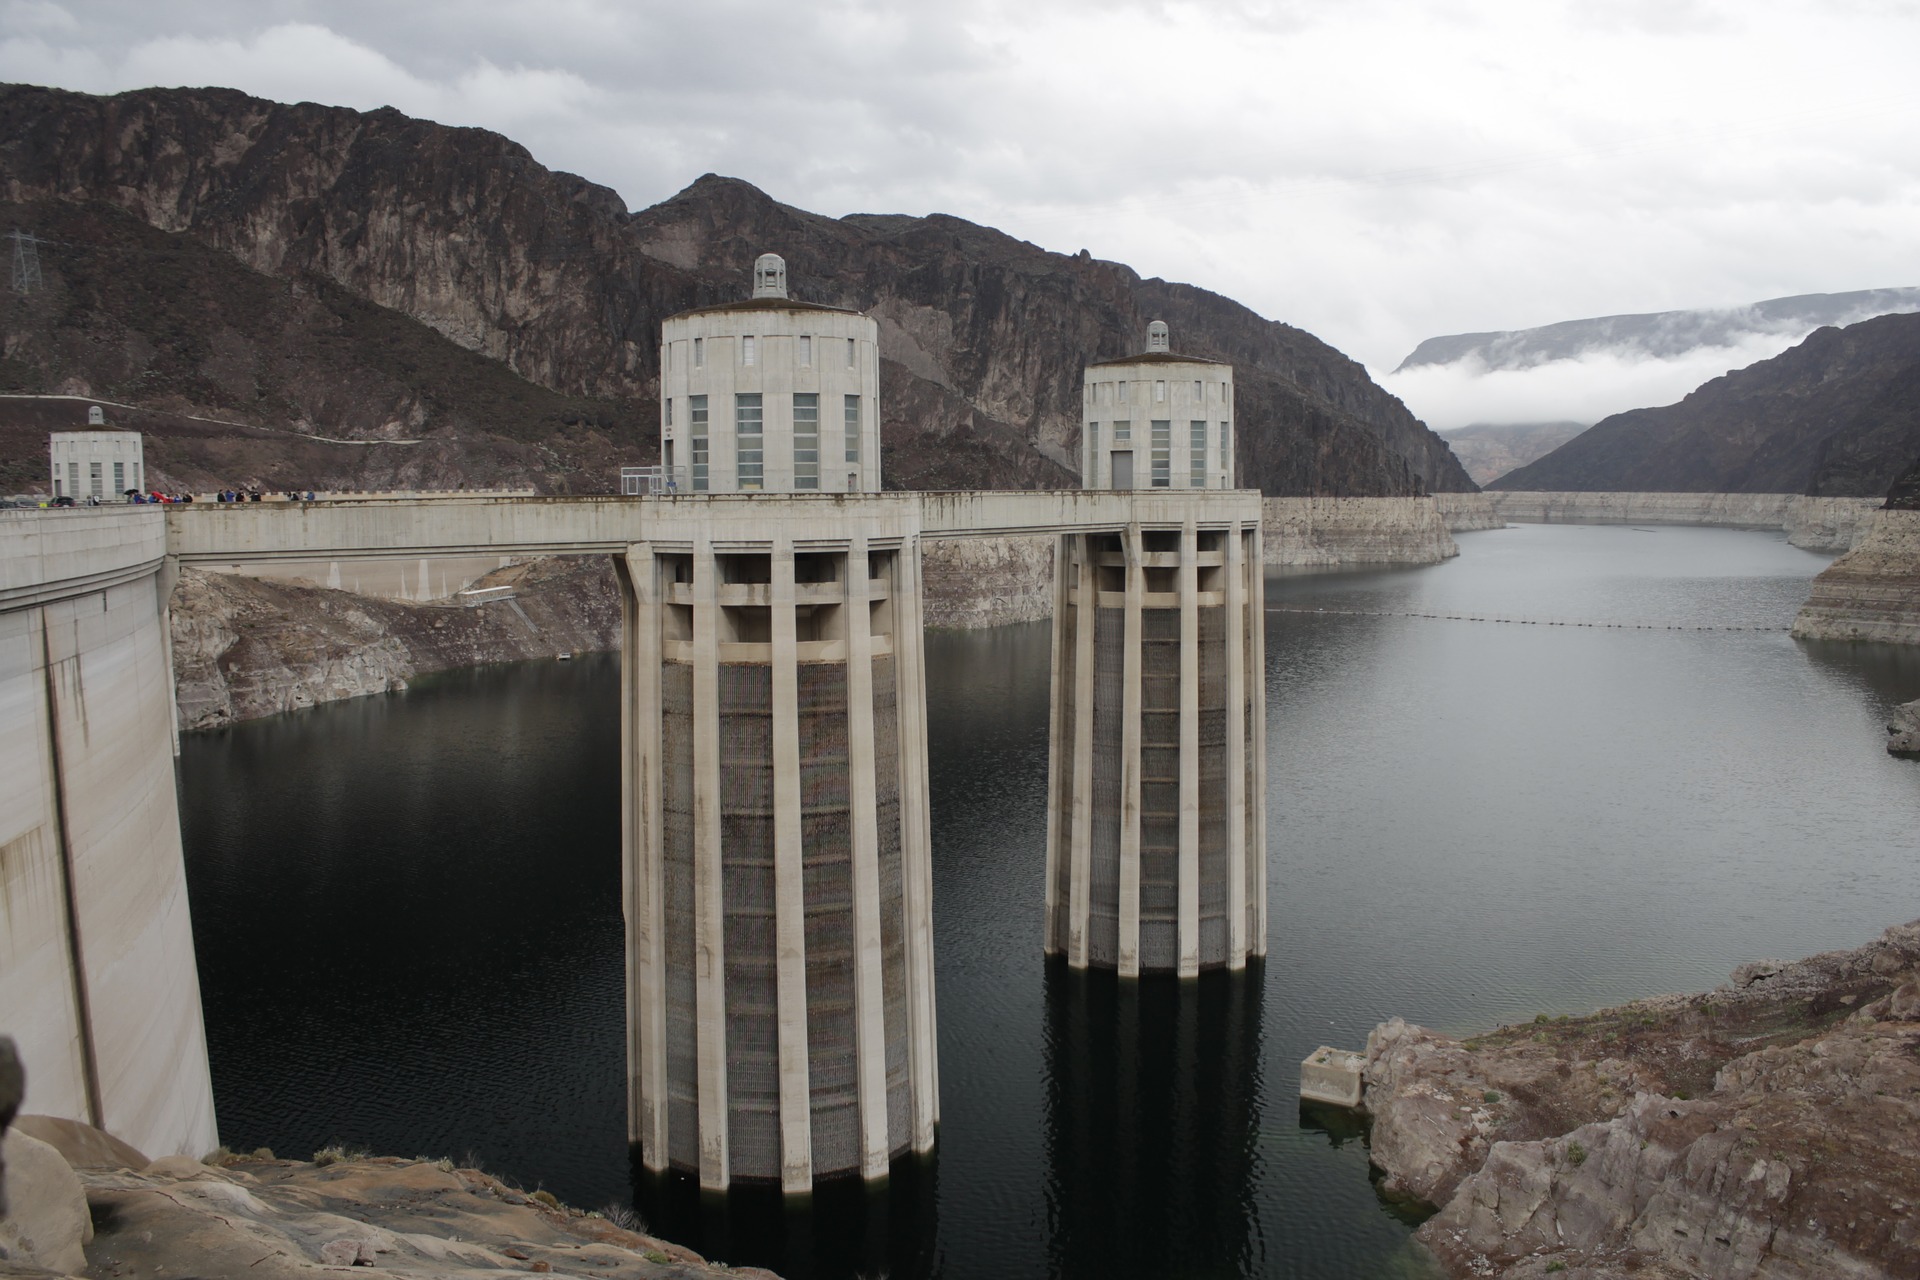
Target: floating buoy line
1505	620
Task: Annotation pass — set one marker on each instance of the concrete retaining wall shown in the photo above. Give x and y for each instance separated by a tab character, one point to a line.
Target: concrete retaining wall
1818	524
97	978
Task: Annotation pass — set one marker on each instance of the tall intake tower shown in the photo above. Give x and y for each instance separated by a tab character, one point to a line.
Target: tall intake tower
1156	828
781	1021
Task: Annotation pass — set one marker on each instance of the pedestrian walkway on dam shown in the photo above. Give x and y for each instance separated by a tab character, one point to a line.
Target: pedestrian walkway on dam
1517	622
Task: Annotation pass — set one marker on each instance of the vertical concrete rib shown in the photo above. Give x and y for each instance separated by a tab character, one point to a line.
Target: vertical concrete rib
869	992
1059	761
1189	942
1257	674
789	885
1085	612
1236	574
1129	946
1059	756
709	929
916	852
641	818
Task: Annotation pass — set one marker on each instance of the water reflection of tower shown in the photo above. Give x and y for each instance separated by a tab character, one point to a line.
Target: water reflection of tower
1152	1123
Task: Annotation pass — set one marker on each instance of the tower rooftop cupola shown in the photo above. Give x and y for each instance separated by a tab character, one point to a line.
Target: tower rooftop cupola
769	276
1157	337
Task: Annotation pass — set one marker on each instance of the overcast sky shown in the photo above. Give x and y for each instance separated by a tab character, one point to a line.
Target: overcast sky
1374	172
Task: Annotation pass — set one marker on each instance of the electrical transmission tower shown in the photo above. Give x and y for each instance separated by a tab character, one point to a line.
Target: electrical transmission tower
26	261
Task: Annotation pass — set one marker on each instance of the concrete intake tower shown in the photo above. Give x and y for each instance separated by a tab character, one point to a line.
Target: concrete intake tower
779	935
1156	815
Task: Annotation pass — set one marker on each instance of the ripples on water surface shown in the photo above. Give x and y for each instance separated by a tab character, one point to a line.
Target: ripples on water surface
409	930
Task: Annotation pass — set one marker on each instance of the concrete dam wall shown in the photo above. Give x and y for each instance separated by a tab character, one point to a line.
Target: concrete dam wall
97	979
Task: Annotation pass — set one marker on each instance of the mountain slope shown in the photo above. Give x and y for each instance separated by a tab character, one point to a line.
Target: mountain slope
462	230
1838	415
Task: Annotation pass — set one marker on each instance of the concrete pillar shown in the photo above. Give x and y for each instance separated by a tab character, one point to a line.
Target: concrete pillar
1189	581
916	852
1136	588
869	1009
709	924
778	852
1236	747
1180	804
641	809
1257	799
1087	603
790	904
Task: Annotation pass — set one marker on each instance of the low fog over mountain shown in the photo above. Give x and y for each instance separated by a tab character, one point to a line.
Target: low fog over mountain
1584	370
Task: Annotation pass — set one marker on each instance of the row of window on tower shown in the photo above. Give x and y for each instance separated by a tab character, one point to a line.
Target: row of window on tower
1120	447
1116	392
749	350
749	438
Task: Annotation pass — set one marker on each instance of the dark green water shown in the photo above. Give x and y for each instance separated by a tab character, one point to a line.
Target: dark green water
409	934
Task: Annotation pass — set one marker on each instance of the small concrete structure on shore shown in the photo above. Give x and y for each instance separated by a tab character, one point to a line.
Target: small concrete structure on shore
1333	1076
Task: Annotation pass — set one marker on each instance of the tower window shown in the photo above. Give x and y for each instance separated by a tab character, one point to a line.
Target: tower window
806	349
699	353
852	355
1226	451
1093	455
697	430
806	441
667	404
1123	433
747	441
1162	444
852	428
747	351
1159	393
1197	455
1199	391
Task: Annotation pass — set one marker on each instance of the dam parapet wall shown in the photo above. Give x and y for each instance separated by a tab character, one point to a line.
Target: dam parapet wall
97	976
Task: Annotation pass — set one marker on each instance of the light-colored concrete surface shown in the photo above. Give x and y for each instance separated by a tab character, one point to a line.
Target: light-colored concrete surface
1123	402
100	464
1333	1076
391	579
97	977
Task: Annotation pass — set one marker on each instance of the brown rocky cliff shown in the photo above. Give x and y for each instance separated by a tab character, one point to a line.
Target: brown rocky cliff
464	231
1764	1129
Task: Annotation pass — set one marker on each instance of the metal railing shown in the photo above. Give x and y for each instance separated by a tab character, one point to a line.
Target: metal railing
638	482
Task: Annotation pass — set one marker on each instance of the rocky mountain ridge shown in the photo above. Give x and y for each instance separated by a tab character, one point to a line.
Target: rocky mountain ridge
466	233
1837	415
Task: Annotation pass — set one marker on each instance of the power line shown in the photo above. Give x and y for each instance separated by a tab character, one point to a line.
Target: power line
26	261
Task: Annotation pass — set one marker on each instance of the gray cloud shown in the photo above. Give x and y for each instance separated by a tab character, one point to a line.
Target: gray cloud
1376	172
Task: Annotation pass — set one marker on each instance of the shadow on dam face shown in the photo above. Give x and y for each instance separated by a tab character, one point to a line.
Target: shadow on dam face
1153	1119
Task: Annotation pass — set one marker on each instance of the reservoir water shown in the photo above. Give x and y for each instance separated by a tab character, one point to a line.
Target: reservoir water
407	907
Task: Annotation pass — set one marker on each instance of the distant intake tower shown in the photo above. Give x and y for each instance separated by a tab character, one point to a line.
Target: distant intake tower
770	394
1157	421
780	978
1156	833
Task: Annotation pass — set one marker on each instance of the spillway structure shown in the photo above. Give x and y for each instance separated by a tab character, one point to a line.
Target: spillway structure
1156	813
779	933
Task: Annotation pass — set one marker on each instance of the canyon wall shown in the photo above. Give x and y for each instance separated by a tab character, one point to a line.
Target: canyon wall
1336	531
1873	591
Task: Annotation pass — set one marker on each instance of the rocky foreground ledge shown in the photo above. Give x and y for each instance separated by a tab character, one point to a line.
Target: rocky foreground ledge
266	1219
1767	1129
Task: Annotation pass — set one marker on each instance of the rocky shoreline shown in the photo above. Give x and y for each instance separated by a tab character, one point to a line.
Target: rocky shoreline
96	1206
1768	1128
1873	592
1816	524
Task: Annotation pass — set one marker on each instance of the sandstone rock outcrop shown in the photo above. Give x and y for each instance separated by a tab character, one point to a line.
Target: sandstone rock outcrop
1903	732
986	582
1769	1128
46	1223
463	232
1872	592
244	647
